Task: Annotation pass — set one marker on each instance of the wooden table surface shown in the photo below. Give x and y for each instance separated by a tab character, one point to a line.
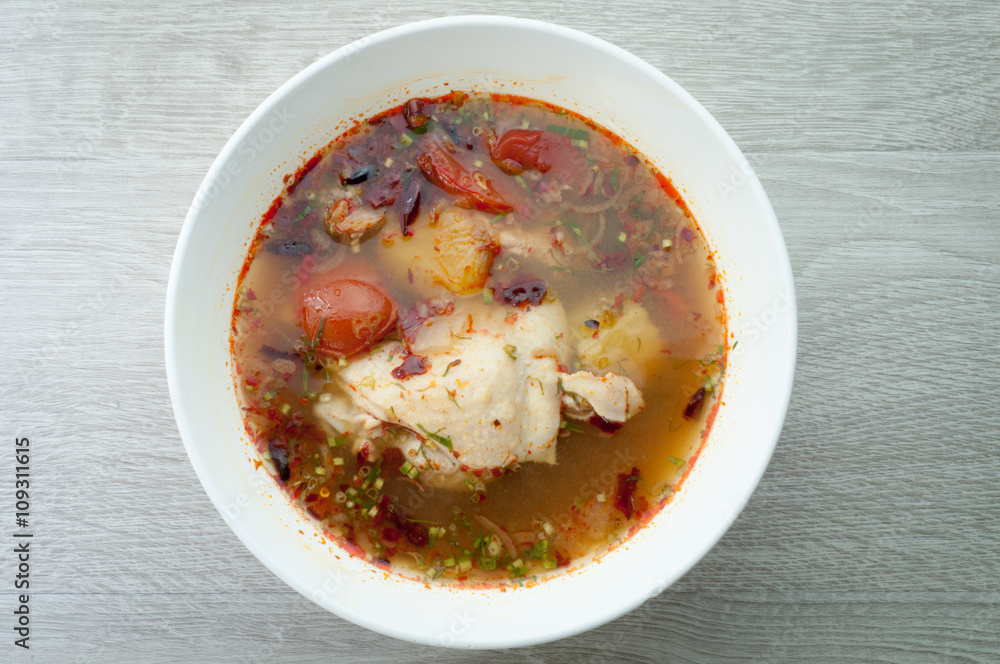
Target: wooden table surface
875	128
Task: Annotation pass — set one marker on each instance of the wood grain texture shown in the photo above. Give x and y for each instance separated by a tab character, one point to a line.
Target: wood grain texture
874	535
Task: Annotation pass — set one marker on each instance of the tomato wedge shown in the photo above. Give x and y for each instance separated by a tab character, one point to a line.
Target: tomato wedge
519	150
475	189
346	315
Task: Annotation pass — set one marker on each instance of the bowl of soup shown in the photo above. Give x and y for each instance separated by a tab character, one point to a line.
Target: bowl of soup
480	332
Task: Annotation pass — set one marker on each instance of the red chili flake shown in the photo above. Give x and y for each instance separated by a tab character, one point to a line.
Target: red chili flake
415	532
390	534
364	453
687	234
311	497
413	365
414	112
279	455
625	496
521	294
392	460
607	426
694	404
562	560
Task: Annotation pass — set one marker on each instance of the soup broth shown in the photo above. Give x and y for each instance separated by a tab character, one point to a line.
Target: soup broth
478	338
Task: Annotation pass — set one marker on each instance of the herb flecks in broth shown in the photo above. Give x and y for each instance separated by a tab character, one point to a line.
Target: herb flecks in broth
478	338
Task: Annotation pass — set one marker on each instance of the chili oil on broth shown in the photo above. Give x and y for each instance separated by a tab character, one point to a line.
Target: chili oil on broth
629	240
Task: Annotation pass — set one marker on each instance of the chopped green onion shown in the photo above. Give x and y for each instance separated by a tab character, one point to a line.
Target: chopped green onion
464	565
285	409
302	215
337	441
523	184
622	237
549	564
525	123
478	163
578	134
570	426
487	296
435	437
579	143
487	563
449	562
388	162
338	461
405	139
676	461
601	497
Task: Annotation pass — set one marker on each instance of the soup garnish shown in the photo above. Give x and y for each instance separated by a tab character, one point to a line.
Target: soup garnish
478	338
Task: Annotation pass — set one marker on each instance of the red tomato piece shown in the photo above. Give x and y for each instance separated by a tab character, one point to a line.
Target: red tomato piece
476	190
519	150
354	314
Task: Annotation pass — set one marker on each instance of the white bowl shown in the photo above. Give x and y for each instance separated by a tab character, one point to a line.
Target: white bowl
545	62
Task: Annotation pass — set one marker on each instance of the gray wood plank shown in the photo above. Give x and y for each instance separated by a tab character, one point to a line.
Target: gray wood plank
781	76
675	627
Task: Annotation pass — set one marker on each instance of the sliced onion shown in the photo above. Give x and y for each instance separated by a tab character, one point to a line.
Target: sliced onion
508	543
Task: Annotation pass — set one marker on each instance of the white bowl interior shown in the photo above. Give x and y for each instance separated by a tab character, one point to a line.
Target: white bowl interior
568	69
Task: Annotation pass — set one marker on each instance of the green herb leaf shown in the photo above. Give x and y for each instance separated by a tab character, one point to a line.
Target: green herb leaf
570	426
302	215
436	438
578	134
